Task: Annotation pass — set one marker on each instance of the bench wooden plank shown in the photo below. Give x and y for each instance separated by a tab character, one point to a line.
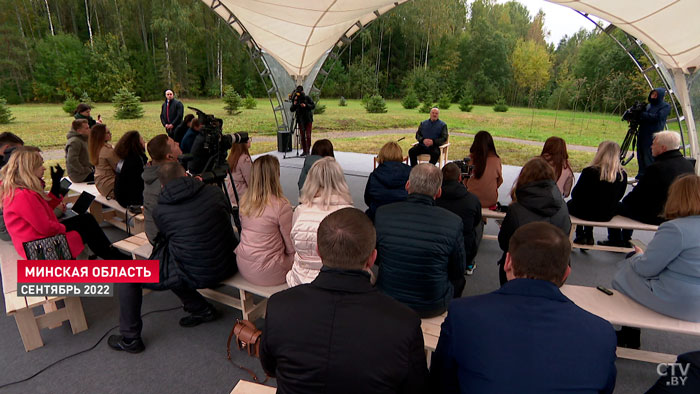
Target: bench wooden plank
616	222
246	387
14	303
116	216
622	310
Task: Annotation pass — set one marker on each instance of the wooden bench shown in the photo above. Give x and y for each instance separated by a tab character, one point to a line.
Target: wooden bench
616	222
116	214
131	244
246	387
23	307
431	333
622	310
245	302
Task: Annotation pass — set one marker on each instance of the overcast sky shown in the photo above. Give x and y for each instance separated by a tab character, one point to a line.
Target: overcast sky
559	20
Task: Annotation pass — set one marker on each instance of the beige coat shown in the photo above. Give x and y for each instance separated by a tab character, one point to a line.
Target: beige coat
486	187
266	252
105	171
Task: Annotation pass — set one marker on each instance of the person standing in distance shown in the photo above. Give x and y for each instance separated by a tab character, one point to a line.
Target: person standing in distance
652	120
171	113
303	106
430	135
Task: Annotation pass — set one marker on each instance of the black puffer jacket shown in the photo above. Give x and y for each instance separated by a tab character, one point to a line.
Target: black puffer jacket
128	184
420	250
386	184
539	201
195	219
456	199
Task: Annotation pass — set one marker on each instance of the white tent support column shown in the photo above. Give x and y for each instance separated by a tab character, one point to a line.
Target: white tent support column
682	92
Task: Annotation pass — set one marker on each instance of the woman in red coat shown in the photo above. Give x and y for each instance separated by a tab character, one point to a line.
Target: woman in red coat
28	210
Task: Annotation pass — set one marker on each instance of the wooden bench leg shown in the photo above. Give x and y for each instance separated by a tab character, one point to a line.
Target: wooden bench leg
28	329
76	315
250	310
96	211
51	307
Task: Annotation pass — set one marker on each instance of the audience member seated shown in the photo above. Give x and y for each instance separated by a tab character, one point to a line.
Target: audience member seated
82	111
78	164
325	191
162	149
28	210
320	149
195	248
8	143
188	139
554	151
387	183
239	163
666	278
598	190
645	203
266	252
431	133
487	174
526	337
456	199
536	198
104	159
338	334
128	184
182	128
420	247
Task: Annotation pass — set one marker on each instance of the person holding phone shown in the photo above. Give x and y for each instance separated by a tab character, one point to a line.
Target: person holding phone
78	163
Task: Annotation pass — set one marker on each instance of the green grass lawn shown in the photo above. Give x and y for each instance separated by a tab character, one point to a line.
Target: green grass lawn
45	125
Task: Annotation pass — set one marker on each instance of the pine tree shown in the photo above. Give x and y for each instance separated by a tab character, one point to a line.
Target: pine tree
376	105
127	104
5	113
250	102
444	102
85	99
465	104
410	101
233	101
70	105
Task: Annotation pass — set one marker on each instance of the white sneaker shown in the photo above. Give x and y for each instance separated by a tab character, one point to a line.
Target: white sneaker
470	270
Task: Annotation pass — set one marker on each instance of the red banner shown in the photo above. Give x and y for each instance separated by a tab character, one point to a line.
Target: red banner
87	271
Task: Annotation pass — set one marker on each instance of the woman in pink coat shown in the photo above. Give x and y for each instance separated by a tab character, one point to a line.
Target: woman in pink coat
265	252
240	164
28	210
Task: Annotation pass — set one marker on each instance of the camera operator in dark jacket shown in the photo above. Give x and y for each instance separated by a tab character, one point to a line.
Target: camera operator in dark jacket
303	106
653	119
195	248
536	198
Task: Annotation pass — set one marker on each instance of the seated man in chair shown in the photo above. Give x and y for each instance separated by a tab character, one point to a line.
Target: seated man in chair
430	135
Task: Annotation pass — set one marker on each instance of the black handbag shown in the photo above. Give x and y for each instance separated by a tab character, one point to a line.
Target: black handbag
49	248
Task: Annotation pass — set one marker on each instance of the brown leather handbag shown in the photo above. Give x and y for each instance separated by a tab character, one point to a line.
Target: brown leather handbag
247	337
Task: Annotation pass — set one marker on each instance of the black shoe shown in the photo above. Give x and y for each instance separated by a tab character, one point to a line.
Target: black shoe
581	240
590	240
619	244
195	319
119	343
629	337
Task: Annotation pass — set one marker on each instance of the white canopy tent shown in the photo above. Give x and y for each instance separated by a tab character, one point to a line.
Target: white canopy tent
293	39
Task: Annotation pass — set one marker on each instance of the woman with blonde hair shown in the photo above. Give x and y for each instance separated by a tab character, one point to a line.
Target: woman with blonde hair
387	183
666	277
598	190
28	210
325	191
103	157
322	148
536	198
265	253
554	151
240	164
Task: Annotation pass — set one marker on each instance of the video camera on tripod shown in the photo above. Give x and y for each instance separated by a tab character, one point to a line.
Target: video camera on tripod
631	115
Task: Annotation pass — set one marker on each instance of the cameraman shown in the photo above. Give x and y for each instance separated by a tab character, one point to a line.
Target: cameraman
651	120
304	106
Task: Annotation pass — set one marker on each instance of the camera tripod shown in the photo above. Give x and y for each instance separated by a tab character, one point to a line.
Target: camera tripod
297	136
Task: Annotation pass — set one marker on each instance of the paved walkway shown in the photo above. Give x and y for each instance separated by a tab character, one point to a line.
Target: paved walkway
55	154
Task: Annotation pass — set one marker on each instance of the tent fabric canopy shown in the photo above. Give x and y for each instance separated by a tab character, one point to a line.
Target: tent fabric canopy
668	27
298	33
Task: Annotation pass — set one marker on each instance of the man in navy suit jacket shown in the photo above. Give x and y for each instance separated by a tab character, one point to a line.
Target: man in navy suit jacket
526	337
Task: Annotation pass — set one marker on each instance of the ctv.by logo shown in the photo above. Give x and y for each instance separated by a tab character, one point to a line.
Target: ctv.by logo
676	373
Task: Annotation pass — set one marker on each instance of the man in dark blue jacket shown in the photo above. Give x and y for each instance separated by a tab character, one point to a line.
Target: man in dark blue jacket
653	119
195	226
526	337
430	135
420	247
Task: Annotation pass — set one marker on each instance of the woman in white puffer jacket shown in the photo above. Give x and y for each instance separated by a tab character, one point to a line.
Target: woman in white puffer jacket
324	192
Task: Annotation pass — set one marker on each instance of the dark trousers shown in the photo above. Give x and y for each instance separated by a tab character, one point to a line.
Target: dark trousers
91	233
130	300
305	137
420	149
619	235
644	158
584	232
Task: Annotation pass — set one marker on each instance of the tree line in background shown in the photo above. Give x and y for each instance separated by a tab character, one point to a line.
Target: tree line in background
437	50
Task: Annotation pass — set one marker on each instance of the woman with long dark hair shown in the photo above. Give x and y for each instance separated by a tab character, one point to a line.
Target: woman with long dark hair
240	164
104	159
554	151
128	184
487	173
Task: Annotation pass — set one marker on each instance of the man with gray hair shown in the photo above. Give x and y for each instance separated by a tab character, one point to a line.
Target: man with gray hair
431	134
420	246
646	201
